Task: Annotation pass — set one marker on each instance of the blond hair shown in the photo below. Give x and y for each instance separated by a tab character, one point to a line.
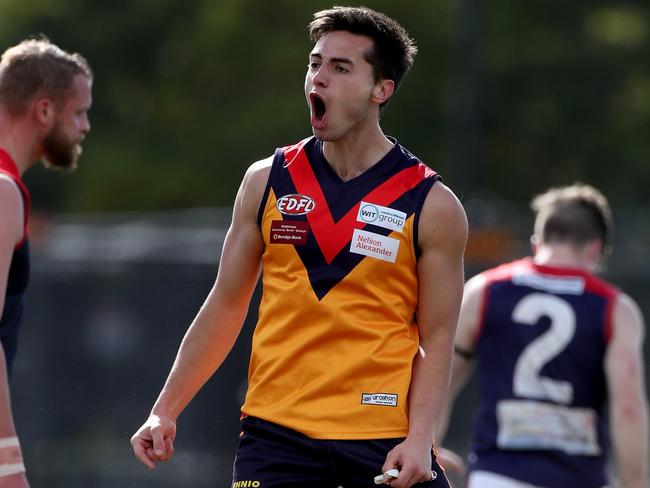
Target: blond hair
36	67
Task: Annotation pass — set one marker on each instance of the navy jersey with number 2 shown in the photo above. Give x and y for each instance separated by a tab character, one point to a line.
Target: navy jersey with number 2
541	345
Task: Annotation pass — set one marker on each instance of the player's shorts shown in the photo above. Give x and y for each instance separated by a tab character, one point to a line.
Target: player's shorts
486	479
272	456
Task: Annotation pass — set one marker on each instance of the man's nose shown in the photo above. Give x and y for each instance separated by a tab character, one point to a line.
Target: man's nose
85	126
320	77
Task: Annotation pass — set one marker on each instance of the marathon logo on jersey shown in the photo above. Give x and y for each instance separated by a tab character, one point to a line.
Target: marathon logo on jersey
295	204
382	399
374	245
289	232
385	217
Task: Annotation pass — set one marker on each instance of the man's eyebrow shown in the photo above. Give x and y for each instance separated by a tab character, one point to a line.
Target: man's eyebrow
333	60
342	60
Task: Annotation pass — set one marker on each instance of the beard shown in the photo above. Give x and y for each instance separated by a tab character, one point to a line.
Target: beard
59	151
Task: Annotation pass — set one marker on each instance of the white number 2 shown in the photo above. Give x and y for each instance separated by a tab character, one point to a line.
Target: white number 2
527	381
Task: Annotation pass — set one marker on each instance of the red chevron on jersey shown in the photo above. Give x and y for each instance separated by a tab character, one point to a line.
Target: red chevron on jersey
332	236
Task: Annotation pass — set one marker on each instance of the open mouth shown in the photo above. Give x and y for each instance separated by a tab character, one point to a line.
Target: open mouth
318	107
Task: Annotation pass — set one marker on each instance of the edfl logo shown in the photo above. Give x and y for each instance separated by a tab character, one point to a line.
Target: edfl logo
295	204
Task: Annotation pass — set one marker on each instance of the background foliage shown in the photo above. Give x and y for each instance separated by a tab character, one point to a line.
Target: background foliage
505	97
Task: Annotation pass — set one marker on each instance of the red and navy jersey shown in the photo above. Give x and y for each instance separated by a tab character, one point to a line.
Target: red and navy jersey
541	345
18	272
336	336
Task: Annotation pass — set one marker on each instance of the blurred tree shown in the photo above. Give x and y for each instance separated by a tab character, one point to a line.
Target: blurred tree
188	94
567	97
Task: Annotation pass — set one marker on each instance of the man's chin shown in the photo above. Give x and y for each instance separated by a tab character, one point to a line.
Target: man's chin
65	164
321	135
65	167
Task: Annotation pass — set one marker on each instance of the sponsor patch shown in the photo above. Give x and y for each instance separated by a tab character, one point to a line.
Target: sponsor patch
374	245
295	204
569	285
527	424
289	232
382	399
385	217
246	484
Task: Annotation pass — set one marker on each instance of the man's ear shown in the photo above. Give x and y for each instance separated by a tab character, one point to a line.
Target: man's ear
44	111
595	250
382	91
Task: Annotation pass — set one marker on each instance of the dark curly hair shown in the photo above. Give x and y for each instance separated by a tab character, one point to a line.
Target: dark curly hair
392	54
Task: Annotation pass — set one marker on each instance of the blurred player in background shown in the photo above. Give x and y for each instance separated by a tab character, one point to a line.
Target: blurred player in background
558	351
361	248
45	95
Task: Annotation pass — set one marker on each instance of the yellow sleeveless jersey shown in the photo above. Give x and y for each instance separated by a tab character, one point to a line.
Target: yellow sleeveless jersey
336	336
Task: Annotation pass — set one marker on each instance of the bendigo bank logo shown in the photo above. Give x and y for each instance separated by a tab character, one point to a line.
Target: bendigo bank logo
295	204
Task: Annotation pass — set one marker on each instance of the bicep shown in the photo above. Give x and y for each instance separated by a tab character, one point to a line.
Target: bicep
240	261
443	233
470	314
11	229
441	285
466	332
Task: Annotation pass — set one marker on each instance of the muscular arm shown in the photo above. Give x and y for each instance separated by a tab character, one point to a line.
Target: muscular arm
466	334
443	233
624	366
213	332
11	231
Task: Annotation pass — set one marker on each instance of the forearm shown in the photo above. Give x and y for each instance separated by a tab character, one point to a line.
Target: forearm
630	440
460	371
7	428
429	390
215	329
11	458
442	237
628	404
203	349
